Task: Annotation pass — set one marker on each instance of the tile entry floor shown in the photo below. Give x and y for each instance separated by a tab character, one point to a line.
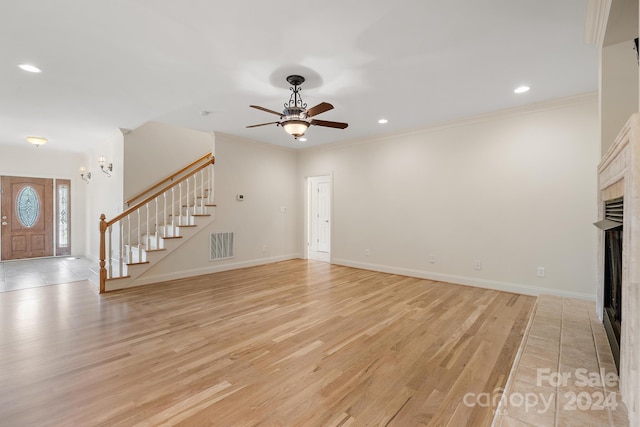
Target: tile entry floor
33	273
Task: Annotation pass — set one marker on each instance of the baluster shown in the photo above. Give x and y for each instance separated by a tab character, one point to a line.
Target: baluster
180	205
164	213
202	201
110	255
121	249
139	237
173	212
157	231
147	240
188	219
211	183
130	250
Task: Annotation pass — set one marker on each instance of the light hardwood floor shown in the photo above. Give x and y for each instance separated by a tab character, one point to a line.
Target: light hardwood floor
291	343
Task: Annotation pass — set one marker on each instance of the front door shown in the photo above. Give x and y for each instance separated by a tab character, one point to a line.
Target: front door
27	217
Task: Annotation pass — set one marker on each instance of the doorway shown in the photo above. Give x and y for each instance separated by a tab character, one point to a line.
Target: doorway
28	207
319	218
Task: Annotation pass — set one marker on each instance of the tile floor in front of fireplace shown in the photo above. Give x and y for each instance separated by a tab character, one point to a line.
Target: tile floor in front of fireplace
564	373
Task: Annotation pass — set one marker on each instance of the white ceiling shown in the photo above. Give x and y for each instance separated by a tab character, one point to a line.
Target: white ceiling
119	63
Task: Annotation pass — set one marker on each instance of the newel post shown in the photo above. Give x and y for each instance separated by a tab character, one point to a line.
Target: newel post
103	270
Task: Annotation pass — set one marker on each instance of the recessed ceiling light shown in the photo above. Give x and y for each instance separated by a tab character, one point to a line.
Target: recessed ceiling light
383	121
30	68
37	140
521	89
303	139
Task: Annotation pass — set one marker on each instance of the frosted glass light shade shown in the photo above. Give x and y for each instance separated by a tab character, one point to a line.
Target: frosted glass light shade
295	128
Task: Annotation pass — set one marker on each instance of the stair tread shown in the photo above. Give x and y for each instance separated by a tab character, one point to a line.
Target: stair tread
155	250
200	214
137	263
173	237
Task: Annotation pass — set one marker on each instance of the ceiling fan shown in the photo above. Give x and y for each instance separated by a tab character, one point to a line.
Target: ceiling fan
296	118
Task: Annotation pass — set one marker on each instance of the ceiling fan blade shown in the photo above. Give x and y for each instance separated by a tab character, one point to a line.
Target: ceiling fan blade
329	124
266	109
320	108
263	124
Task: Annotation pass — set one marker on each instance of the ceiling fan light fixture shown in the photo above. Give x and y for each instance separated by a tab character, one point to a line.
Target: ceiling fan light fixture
295	128
296	118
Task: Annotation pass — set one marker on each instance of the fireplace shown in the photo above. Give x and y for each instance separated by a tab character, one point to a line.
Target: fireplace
618	293
612	302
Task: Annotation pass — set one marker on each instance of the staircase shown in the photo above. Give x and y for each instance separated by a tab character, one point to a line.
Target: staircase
158	221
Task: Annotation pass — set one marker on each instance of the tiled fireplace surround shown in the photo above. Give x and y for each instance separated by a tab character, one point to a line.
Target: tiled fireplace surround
619	176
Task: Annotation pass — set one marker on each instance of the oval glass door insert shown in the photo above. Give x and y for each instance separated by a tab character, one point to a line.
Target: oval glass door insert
28	206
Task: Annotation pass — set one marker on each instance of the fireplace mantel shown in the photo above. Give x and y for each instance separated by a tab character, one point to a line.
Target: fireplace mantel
619	176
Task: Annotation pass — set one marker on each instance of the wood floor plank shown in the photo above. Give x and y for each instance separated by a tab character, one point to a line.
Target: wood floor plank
291	343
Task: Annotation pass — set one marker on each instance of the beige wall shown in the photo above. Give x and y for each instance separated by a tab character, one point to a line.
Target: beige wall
45	162
618	89
266	176
155	150
513	190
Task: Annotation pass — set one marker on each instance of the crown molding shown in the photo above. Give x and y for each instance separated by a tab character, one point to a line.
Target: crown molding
595	24
552	104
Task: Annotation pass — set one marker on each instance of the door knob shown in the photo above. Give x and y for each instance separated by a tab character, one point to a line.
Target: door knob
4	222
4	217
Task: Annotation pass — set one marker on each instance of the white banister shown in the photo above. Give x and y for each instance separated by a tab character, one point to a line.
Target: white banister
129	251
109	254
147	240
157	236
173	212
139	238
121	249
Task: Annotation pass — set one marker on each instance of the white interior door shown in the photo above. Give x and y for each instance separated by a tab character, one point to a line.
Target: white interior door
319	219
324	229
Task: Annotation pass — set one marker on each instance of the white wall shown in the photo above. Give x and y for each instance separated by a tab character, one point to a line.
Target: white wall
155	150
266	176
513	190
45	162
104	194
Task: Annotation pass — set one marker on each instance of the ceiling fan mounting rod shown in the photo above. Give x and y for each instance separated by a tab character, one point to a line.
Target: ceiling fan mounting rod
295	101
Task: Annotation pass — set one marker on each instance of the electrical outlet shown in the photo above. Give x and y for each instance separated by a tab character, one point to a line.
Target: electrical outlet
477	265
366	252
432	259
264	248
540	271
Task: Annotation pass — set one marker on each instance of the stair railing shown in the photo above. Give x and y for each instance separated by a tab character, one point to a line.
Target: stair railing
169	178
134	228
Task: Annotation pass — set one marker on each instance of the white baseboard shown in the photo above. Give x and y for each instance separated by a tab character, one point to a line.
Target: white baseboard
215	268
467	281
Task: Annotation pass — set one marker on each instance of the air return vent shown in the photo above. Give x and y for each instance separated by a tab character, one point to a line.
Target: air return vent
221	245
